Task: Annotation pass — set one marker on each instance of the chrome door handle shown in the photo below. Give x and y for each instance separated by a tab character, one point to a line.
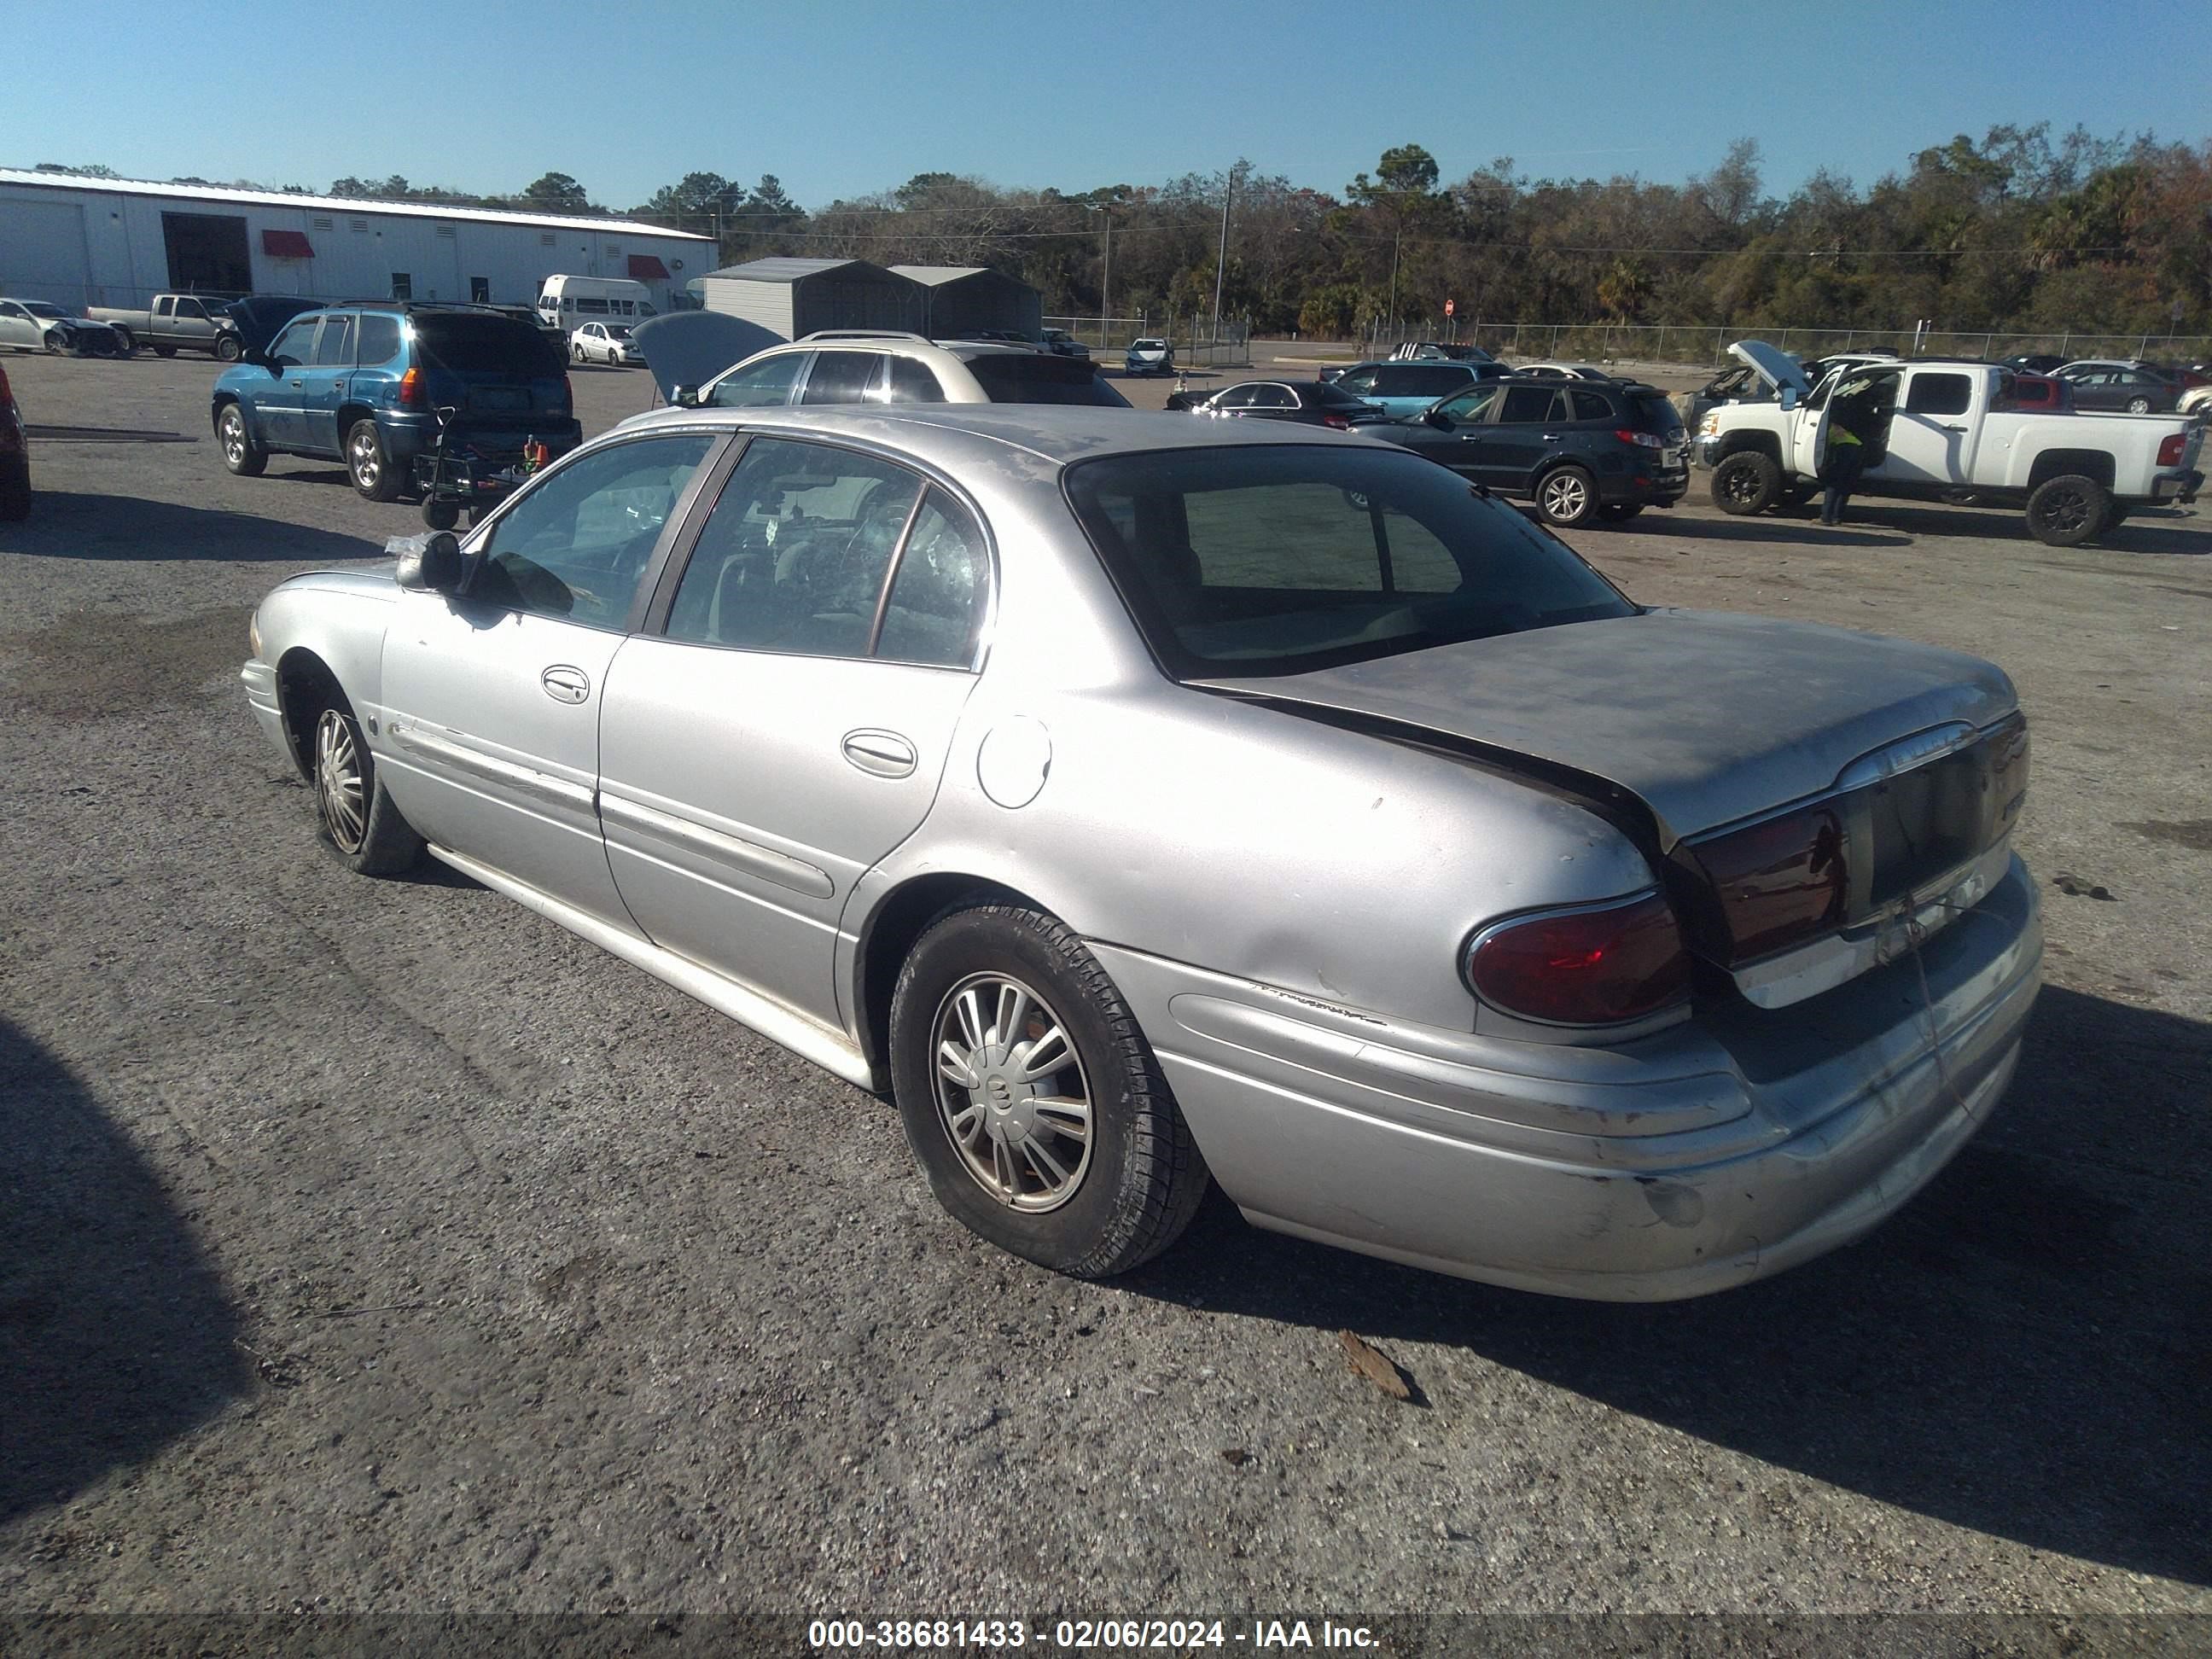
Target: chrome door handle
1948	427
881	754
565	685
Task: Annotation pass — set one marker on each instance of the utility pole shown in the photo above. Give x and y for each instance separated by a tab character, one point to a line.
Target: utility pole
1396	237
1221	259
1106	278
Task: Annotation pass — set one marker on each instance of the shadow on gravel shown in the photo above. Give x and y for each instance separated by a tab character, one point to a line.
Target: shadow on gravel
2025	1350
115	1335
1768	530
64	524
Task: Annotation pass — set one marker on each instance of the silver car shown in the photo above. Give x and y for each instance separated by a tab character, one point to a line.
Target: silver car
1144	802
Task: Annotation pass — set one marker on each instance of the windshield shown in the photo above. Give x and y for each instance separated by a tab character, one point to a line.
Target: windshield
1028	377
477	344
616	331
40	308
1275	560
1148	345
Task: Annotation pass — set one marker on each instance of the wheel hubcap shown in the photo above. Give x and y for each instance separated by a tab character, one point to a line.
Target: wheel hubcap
366	466
1564	497
1011	1092
234	438
338	785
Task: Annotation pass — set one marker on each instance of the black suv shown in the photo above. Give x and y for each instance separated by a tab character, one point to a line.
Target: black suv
1584	450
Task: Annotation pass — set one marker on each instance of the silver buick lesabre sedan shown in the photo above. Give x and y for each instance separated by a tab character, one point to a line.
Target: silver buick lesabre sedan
1143	802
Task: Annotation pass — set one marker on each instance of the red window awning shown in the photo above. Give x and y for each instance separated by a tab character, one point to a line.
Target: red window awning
646	268
286	244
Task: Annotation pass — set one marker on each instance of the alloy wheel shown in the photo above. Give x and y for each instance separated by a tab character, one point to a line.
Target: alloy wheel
2067	511
339	787
1565	496
234	435
1011	1092
367	463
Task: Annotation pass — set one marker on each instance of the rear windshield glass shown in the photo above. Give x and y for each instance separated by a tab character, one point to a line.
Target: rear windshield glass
1330	395
484	345
1276	560
1028	377
1650	411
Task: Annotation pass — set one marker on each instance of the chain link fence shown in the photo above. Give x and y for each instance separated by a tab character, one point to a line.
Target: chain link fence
1694	346
1196	343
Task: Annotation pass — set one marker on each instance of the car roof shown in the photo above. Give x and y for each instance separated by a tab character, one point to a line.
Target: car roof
1060	434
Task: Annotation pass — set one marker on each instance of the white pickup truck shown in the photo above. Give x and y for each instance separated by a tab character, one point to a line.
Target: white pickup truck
1948	435
176	319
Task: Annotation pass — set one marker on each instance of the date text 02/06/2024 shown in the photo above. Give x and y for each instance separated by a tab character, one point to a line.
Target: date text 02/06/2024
1166	1635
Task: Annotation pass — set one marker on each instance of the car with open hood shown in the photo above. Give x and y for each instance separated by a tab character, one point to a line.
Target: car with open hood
1947	430
1145	803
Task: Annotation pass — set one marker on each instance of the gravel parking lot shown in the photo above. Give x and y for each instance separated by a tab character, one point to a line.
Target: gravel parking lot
379	1246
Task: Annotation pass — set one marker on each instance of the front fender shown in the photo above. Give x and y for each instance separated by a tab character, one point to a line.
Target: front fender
336	620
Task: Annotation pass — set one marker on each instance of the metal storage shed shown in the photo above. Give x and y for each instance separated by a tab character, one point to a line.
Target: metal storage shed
963	299
792	297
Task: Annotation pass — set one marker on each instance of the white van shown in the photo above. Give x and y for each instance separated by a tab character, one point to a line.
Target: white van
566	302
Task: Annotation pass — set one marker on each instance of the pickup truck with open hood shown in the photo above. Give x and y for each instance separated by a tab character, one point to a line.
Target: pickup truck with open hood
1948	432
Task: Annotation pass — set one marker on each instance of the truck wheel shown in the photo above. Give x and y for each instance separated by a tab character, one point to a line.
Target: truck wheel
2068	510
240	454
1567	497
369	463
1747	483
226	347
165	351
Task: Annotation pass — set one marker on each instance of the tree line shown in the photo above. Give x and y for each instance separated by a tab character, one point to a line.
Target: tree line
2020	231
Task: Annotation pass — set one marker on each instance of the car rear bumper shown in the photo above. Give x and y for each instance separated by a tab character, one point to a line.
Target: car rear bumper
2176	486
1726	1149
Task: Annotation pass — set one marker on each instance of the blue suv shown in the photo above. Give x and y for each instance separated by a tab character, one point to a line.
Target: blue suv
369	383
1401	389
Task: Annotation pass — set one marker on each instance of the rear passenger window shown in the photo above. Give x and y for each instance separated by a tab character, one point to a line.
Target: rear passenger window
1591	406
794	556
1939	394
379	340
1525	405
936	605
335	347
840	377
911	383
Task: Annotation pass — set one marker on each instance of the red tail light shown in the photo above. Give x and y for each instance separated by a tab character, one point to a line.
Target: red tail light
2170	448
1339	421
1597	967
1648	440
411	389
1779	883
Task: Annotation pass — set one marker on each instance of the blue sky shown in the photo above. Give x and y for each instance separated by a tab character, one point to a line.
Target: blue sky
848	97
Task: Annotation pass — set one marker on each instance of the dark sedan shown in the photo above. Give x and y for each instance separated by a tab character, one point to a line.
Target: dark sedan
1582	451
2136	390
1309	403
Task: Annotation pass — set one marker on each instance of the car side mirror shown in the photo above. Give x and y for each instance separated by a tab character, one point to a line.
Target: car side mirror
1789	398
683	397
1437	418
430	563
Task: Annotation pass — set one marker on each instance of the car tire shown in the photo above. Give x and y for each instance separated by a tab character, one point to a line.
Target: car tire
1090	1204
2138	405
126	342
368	463
56	344
1747	483
242	452
1619	512
165	351
2067	510
1567	497
440	514
575	351
228	347
358	819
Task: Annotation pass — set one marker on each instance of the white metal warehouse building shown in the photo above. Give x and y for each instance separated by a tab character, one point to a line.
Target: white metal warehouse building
79	241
